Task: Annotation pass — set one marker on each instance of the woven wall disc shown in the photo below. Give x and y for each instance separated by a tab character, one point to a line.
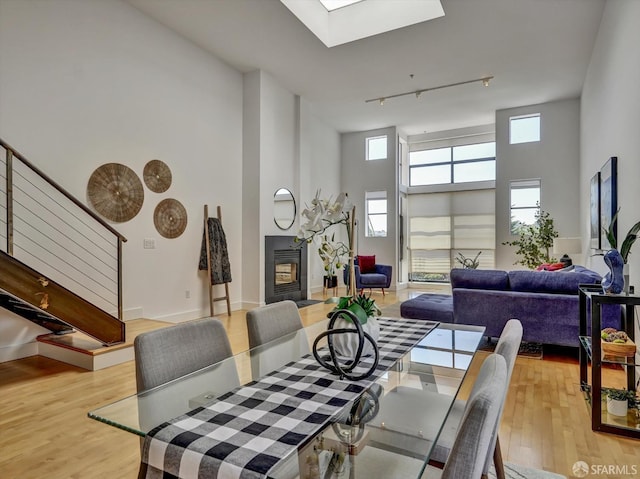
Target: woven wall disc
170	218
157	176
116	192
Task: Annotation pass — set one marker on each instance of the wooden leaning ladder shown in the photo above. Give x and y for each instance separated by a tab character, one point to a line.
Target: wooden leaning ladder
212	300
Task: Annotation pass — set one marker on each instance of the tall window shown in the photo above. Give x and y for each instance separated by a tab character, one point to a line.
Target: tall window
376	204
524	129
456	164
525	203
444	226
376	148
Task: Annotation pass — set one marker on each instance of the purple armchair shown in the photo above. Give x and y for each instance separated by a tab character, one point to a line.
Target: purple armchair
380	278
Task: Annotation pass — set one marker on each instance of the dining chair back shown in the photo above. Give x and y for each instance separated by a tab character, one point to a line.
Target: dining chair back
169	353
272	321
474	436
271	341
507	347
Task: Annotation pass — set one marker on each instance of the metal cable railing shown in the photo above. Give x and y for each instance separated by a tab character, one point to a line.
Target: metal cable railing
49	230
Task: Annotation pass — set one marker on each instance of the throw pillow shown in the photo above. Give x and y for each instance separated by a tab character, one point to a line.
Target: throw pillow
367	264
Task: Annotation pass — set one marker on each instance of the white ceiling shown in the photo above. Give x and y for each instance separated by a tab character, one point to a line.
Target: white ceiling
538	51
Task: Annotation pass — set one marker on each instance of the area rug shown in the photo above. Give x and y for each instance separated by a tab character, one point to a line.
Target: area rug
527	350
307	302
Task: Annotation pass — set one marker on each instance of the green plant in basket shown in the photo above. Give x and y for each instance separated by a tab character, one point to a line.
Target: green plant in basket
360	305
621	395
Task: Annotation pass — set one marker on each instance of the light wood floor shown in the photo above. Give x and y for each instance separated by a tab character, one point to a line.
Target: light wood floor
45	432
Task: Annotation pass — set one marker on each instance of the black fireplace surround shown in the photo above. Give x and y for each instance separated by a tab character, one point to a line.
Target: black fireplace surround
285	270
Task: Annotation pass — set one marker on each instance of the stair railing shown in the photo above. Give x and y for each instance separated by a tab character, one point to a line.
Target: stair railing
48	229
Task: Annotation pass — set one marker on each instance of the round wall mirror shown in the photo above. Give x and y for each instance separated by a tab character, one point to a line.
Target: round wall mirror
284	209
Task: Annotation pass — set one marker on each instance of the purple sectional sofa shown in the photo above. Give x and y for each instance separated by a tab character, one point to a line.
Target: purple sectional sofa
545	302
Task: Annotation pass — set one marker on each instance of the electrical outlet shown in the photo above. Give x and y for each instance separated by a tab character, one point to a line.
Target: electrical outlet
187	294
149	243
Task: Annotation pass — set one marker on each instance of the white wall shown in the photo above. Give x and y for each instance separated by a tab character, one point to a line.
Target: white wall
291	148
555	160
320	170
359	176
88	83
610	118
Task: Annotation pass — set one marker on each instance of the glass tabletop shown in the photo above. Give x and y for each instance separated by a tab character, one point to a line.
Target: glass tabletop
141	412
398	419
404	414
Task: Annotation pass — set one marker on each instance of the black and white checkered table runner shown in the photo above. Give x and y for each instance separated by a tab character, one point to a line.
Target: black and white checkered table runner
248	430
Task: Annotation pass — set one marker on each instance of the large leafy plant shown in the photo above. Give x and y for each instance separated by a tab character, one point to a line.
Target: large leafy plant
535	241
360	305
627	242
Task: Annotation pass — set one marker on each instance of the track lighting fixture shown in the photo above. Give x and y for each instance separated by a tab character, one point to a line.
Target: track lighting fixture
485	82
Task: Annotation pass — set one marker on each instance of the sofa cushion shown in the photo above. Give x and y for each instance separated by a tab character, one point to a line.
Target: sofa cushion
479	279
367	264
551	281
373	279
434	307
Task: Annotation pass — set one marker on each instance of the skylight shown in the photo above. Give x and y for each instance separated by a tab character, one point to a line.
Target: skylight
332	5
336	22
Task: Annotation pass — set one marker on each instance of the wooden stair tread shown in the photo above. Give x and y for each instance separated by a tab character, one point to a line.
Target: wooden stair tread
80	343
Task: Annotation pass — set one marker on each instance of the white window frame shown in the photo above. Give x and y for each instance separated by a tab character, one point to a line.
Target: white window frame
533	139
376	196
521	184
371	138
451	163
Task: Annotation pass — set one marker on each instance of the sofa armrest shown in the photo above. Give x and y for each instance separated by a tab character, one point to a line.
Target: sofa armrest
385	269
345	274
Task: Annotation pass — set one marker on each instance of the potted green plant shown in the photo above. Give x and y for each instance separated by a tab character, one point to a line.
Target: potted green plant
365	309
618	400
468	263
535	241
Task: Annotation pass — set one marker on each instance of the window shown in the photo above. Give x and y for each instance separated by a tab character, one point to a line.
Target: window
524	129
376	202
525	203
456	164
376	148
444	226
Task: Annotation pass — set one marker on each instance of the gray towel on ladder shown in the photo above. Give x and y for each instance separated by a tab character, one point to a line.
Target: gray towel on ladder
220	267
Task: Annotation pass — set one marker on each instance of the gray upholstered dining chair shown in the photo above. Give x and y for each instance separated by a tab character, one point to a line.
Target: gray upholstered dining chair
273	324
169	353
507	347
166	354
475	433
272	321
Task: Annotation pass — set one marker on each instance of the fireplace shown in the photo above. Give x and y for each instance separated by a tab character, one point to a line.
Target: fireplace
285	271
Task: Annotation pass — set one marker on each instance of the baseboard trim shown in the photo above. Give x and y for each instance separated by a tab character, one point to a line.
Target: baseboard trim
132	313
220	309
18	351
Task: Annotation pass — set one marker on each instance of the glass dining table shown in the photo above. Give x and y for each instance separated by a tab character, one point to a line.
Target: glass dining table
386	428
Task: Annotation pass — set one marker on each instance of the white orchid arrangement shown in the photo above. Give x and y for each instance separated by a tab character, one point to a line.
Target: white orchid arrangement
319	217
331	254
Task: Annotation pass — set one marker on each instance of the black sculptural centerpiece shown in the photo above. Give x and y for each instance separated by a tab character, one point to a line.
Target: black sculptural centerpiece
344	369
